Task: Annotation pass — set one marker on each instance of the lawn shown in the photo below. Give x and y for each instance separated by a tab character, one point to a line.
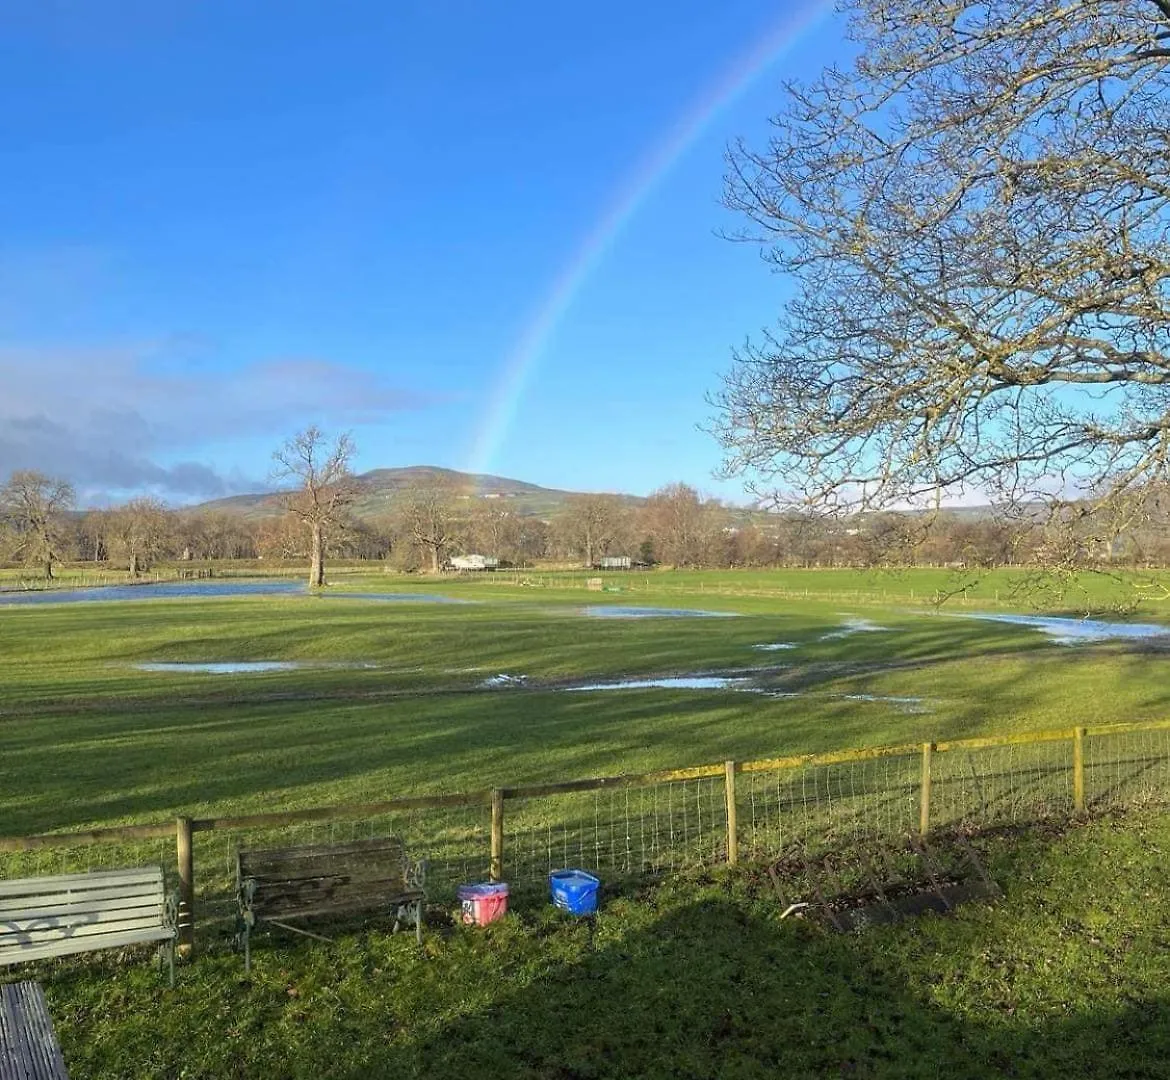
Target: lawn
1066	975
697	977
90	740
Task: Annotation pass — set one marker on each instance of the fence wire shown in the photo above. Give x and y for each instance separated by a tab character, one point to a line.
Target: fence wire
621	832
617	832
1127	768
1002	785
827	805
82	858
454	841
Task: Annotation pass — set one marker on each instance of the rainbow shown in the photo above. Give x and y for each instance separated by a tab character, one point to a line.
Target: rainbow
649	172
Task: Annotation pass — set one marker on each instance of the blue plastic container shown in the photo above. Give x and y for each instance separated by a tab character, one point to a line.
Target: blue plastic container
574	891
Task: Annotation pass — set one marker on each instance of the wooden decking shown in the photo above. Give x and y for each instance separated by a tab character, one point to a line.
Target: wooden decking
28	1043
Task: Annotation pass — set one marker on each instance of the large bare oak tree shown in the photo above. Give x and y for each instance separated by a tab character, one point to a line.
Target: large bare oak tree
34	505
324	487
975	223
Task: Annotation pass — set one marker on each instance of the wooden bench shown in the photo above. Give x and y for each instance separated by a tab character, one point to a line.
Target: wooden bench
331	879
28	1044
45	917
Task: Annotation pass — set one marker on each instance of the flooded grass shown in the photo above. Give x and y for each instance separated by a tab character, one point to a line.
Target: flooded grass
204	590
615	611
1066	631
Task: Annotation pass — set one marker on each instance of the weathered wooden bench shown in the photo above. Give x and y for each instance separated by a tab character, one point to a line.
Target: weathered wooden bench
274	886
28	1044
46	917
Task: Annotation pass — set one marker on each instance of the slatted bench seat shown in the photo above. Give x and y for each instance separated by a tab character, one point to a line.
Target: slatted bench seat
328	880
28	1044
46	917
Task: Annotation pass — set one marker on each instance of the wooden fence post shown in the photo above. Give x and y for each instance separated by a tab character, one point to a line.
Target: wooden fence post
185	854
924	806
1079	769
497	865
732	824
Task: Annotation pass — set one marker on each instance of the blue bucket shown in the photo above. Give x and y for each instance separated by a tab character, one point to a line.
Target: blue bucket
574	891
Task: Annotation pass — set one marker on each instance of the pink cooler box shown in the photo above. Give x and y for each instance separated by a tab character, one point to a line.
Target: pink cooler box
484	903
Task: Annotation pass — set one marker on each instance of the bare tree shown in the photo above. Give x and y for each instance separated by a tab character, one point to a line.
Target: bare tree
682	524
590	525
34	505
139	532
976	222
324	487
430	519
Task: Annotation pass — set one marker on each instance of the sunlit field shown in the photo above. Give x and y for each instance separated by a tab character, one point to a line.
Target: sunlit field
396	697
390	697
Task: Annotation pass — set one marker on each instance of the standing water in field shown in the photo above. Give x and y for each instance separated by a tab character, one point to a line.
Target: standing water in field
174	590
1065	631
243	667
854	626
616	611
671	682
249	667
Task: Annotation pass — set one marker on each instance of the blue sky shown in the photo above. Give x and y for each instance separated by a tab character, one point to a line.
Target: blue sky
224	220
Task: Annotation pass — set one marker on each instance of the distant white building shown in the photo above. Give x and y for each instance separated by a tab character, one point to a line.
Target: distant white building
474	562
614	562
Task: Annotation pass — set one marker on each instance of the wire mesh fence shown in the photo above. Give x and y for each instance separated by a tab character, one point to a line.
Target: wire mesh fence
1127	767
1000	785
618	832
79	858
827	805
453	840
628	827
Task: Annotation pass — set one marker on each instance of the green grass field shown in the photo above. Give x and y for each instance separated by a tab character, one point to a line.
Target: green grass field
90	741
1064	976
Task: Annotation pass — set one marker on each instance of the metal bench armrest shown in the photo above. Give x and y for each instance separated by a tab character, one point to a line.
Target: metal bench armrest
415	873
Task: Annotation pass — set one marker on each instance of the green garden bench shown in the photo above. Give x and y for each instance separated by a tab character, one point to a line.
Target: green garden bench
46	917
277	885
28	1044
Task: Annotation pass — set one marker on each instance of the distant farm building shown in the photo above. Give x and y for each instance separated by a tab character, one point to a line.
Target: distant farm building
474	562
614	562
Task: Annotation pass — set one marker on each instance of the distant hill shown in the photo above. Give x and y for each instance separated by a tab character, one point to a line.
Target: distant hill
379	487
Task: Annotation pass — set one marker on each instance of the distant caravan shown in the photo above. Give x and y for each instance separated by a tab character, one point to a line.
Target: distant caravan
473	562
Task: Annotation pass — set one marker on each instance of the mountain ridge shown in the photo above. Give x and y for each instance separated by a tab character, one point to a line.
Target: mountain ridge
377	489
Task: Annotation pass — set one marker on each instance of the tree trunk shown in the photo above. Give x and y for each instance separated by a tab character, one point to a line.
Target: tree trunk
48	567
434	558
317	572
134	564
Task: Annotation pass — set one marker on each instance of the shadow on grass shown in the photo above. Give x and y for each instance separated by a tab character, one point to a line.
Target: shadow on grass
1065	977
710	990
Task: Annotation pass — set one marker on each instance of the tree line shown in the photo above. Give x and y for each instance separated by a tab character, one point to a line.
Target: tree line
427	524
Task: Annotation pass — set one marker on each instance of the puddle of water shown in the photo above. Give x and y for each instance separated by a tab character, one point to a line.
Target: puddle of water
400	598
614	611
172	590
247	667
163	591
674	682
1079	631
225	668
908	704
775	646
854	626
503	680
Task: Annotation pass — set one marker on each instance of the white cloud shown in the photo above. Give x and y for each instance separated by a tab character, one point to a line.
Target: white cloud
106	418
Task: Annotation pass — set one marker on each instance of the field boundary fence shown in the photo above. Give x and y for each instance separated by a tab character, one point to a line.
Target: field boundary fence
633	825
